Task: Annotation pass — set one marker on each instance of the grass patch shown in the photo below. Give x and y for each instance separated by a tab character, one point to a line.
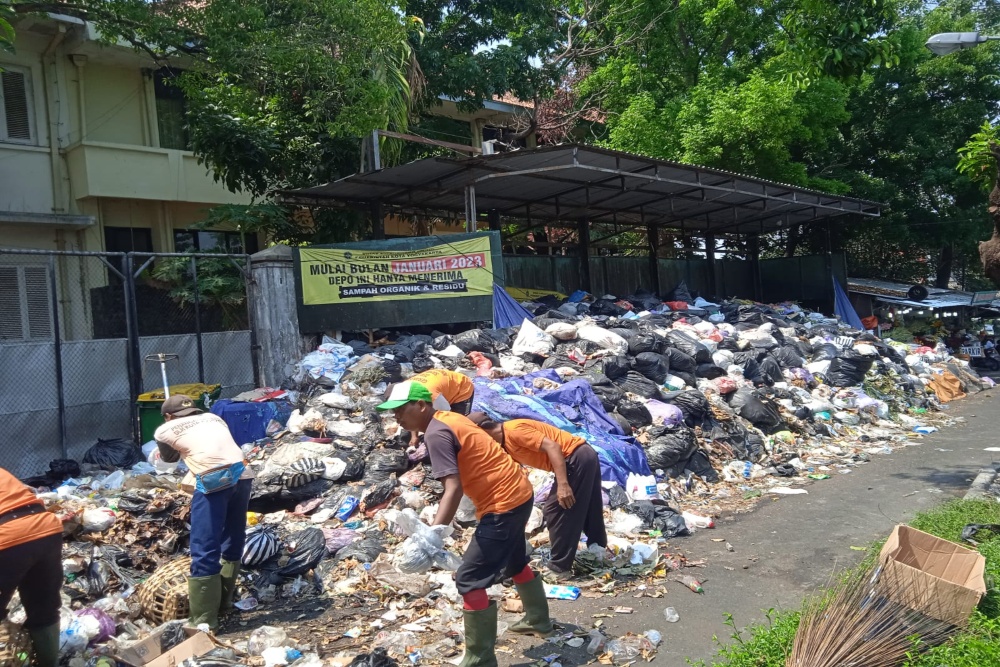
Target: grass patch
767	644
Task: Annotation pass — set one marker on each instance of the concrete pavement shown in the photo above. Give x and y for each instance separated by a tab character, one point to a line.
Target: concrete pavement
790	546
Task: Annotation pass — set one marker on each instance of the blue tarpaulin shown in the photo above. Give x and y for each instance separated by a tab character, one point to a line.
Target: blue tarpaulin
248	422
843	309
506	311
572	407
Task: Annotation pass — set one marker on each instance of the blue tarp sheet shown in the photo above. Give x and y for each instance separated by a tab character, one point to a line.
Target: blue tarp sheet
506	311
572	407
843	309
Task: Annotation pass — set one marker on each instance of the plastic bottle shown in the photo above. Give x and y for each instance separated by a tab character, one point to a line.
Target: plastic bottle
597	643
671	615
696	521
690	582
653	636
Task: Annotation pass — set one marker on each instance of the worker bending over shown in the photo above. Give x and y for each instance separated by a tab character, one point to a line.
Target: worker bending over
31	564
575	504
467	461
222	483
451	392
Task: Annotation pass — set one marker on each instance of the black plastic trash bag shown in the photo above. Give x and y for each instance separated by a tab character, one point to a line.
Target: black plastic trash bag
639	385
606	307
636	413
692	403
701	466
393	370
771	370
617	497
652	366
308	547
680	293
113	454
788	357
848	371
363	551
689	346
762	414
441	342
377	658
400	353
616	367
825	352
422	362
383	462
623	423
752	373
377	494
609	394
645	342
474	340
360	347
710	371
668	447
680	361
659	517
355	469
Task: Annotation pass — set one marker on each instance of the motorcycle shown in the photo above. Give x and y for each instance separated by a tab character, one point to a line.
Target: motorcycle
983	358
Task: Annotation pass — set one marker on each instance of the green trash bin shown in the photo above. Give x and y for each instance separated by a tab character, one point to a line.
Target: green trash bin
148	405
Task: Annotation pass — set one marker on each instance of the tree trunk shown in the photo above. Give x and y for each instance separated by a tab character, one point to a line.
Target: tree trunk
989	251
946	262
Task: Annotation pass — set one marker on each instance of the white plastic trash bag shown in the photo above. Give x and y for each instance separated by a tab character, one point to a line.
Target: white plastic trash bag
609	340
561	330
641	487
532	340
424	548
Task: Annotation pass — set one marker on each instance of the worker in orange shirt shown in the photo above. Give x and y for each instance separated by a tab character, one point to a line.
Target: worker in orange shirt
468	462
31	564
451	391
575	505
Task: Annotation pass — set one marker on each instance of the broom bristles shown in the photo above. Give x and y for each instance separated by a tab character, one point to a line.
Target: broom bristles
870	619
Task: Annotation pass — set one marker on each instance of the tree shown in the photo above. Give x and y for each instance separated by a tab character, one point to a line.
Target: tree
6	29
278	91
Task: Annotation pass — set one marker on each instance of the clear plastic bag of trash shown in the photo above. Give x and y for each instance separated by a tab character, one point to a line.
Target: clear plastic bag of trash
424	548
266	637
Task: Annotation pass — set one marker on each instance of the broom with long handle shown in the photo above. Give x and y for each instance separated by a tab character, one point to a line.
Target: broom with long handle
869	619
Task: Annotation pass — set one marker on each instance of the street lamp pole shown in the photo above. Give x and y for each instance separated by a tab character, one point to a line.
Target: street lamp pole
944	43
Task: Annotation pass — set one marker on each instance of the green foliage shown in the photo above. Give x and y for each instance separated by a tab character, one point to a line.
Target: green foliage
975	159
6	29
763	645
220	285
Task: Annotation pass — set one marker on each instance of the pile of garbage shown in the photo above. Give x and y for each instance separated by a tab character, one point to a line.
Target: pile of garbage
693	408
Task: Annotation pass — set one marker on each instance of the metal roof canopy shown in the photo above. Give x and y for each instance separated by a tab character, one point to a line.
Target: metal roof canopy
573	183
937	297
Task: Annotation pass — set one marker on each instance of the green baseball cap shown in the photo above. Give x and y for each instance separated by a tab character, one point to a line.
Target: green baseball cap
406	392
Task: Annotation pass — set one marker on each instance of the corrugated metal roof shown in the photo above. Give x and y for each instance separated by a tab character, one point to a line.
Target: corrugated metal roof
573	182
896	293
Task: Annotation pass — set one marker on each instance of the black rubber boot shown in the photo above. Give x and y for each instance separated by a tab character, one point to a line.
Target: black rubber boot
45	642
480	637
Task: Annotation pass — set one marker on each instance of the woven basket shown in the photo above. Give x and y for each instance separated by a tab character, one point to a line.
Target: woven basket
164	596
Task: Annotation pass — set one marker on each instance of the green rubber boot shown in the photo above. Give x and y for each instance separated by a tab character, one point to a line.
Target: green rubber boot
205	596
480	638
230	575
45	642
536	619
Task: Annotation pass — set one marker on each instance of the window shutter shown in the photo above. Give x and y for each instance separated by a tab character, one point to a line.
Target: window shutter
15	103
36	290
11	327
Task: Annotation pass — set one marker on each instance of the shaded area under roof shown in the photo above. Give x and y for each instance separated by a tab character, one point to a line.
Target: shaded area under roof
570	183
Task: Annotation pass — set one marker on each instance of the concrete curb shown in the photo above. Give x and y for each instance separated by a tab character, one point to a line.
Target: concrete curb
981	486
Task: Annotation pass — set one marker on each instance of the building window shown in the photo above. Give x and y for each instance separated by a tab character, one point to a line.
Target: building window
128	239
171	111
16	114
229	242
25	308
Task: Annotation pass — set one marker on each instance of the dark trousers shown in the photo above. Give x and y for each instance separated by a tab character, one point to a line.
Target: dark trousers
496	551
585	516
218	527
33	569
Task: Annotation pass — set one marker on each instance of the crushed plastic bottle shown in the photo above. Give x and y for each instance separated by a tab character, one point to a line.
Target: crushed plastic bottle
690	582
671	615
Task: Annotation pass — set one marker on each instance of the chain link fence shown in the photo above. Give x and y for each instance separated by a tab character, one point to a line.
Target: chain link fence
75	329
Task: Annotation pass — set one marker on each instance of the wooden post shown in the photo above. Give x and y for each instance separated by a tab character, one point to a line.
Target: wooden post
275	318
653	235
583	229
493	216
710	258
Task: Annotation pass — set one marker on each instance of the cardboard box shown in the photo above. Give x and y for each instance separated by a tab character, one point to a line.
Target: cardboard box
936	577
146	653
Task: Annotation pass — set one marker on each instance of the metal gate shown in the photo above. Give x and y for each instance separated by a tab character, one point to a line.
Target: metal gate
75	328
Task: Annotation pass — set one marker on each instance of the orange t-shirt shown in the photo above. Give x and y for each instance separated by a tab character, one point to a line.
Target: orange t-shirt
490	477
455	387
522	438
14	494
